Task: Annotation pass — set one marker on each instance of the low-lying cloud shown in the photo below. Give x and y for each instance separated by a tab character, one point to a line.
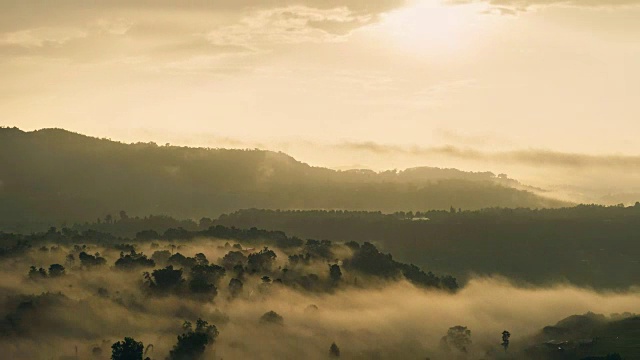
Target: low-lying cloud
531	157
385	320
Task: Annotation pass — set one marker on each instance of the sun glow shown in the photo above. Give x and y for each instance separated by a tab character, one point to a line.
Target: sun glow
428	26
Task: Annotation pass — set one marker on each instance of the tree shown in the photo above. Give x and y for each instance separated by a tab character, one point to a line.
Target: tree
201	259
167	278
272	317
334	273
458	338
181	260
239	271
369	260
233	258
70	259
129	349
235	287
134	260
262	260
449	282
56	270
204	279
319	248
205	223
505	339
91	260
161	256
192	344
147	235
209	273
37	273
334	350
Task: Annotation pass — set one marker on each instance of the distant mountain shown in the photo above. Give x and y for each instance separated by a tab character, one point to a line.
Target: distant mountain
589	337
53	175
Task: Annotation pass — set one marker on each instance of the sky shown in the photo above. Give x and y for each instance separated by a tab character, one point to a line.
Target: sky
338	83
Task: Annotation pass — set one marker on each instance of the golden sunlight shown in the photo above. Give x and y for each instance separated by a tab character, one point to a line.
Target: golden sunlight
429	26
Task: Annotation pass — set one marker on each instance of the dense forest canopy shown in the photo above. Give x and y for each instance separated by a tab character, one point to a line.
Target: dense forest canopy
589	245
53	175
233	293
192	273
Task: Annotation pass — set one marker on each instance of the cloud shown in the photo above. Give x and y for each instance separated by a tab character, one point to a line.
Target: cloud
40	37
290	25
114	27
500	10
510	7
175	35
478	140
532	157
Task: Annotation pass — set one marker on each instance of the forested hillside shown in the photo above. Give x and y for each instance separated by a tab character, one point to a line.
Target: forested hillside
588	245
50	176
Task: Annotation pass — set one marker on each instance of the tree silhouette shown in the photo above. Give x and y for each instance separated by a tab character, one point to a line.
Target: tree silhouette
205	223
133	260
181	260
334	350
192	344
233	258
89	260
129	349
505	339
204	278
161	256
56	270
201	259
147	235
37	273
334	273
272	317
458	338
165	279
70	259
319	248
262	260
235	287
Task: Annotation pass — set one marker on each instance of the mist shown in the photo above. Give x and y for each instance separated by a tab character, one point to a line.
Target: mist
306	179
380	319
569	176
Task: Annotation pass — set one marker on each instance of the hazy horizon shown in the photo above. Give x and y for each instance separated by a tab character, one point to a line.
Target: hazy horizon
573	177
491	76
496	214
543	90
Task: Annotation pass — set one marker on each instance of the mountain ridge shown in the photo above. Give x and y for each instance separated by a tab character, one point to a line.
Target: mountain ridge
58	175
